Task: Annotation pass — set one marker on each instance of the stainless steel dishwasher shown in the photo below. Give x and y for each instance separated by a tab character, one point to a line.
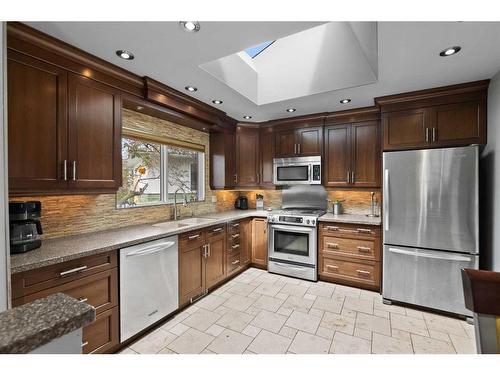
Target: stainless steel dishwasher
149	284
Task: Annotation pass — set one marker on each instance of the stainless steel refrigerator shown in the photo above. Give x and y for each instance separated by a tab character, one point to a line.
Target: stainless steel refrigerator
431	225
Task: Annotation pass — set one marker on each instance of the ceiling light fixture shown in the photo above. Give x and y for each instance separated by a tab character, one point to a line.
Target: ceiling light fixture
124	54
217	101
190	26
191	88
345	101
247	117
291	110
450	51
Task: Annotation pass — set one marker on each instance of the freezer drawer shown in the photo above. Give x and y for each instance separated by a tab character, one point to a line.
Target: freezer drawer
149	286
426	277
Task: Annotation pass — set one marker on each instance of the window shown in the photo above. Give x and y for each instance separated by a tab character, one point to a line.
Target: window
153	172
255	50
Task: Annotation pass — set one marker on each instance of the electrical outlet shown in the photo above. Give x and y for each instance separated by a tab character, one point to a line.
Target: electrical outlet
214	198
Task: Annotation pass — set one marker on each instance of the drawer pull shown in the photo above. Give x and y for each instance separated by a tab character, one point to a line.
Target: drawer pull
363	272
73	270
83	300
330	266
362	230
235	246
333	245
193	236
236	235
84	344
235	225
329	227
235	262
364	249
217	230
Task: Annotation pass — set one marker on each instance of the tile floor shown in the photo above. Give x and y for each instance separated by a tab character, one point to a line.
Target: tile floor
258	312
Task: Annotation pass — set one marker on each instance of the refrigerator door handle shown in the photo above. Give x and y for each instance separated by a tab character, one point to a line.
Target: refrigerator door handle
442	256
386	199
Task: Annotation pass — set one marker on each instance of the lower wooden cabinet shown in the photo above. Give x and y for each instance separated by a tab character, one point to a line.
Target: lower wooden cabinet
215	260
350	254
93	280
259	242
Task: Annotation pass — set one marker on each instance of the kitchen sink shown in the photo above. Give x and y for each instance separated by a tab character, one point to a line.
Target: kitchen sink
183	223
196	221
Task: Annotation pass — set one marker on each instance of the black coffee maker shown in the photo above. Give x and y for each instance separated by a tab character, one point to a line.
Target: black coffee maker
25	226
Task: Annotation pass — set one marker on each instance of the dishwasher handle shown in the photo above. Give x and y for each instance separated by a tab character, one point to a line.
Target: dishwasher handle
151	249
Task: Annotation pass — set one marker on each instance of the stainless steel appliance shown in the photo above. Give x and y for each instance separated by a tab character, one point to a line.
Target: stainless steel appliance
431	225
293	233
25	227
149	288
241	203
297	171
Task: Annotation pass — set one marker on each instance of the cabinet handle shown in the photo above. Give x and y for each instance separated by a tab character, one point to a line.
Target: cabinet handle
348	177
433	134
74	170
73	270
258	178
364	249
333	245
209	250
363	272
427	134
235	262
235	225
193	236
334	267
298	146
329	227
363	230
235	246
236	177
65	170
84	344
236	235
83	300
217	230
352	177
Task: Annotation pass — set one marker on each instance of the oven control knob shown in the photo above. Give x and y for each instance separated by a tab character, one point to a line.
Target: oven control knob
308	221
313	222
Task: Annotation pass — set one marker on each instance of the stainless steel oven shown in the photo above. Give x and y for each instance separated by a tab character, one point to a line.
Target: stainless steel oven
299	170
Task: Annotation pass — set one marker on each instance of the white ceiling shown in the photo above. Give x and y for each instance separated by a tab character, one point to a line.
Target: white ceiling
408	57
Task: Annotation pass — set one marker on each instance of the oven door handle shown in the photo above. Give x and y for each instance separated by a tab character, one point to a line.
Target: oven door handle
293	228
286	265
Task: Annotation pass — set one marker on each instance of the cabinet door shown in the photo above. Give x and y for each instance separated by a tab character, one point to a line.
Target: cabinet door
310	141
366	162
247	156
222	160
37	120
259	241
337	155
459	124
285	143
94	134
245	241
101	335
266	157
191	273
215	262
406	129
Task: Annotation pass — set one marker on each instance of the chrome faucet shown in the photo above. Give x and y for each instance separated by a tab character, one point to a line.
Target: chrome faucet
175	201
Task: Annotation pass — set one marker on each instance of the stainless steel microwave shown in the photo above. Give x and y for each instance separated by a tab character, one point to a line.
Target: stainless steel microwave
299	170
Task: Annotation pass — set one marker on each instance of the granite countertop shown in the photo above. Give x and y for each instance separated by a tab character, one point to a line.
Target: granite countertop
350	219
27	327
62	249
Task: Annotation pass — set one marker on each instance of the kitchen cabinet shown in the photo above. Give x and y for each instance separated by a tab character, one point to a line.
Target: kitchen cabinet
64	130
259	242
246	241
93	280
307	141
247	156
215	260
350	255
239	242
352	155
222	160
266	157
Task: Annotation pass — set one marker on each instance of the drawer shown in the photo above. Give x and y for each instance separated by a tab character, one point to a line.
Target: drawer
101	335
234	247
190	240
99	290
233	227
360	273
350	230
216	231
356	248
233	262
234	238
29	282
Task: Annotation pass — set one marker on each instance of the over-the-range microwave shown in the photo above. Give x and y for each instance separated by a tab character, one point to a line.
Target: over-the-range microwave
298	170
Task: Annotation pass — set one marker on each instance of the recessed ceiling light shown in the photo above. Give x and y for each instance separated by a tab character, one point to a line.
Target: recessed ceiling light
191	88
190	26
450	51
345	101
217	101
247	117
291	110
124	54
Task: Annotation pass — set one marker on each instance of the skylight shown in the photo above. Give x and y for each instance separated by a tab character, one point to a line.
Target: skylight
255	50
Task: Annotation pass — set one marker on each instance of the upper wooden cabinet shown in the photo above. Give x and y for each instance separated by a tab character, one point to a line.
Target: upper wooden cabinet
64	130
247	156
443	117
299	142
352	151
266	157
222	160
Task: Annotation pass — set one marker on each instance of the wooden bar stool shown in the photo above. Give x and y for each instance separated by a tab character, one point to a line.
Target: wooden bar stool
482	296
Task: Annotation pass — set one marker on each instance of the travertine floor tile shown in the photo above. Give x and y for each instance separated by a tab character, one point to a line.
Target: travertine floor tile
268	289
389	345
373	323
268	303
347	291
363	333
179	329
321	290
201	319
235	320
215	330
338	322
463	345
294	290
359	305
324	332
251	330
303	322
347	344
305	343
240	303
297	303
269	343
153	342
329	304
269	321
191	342
288	332
409	324
230	342
128	351
426	345
210	302
445	324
